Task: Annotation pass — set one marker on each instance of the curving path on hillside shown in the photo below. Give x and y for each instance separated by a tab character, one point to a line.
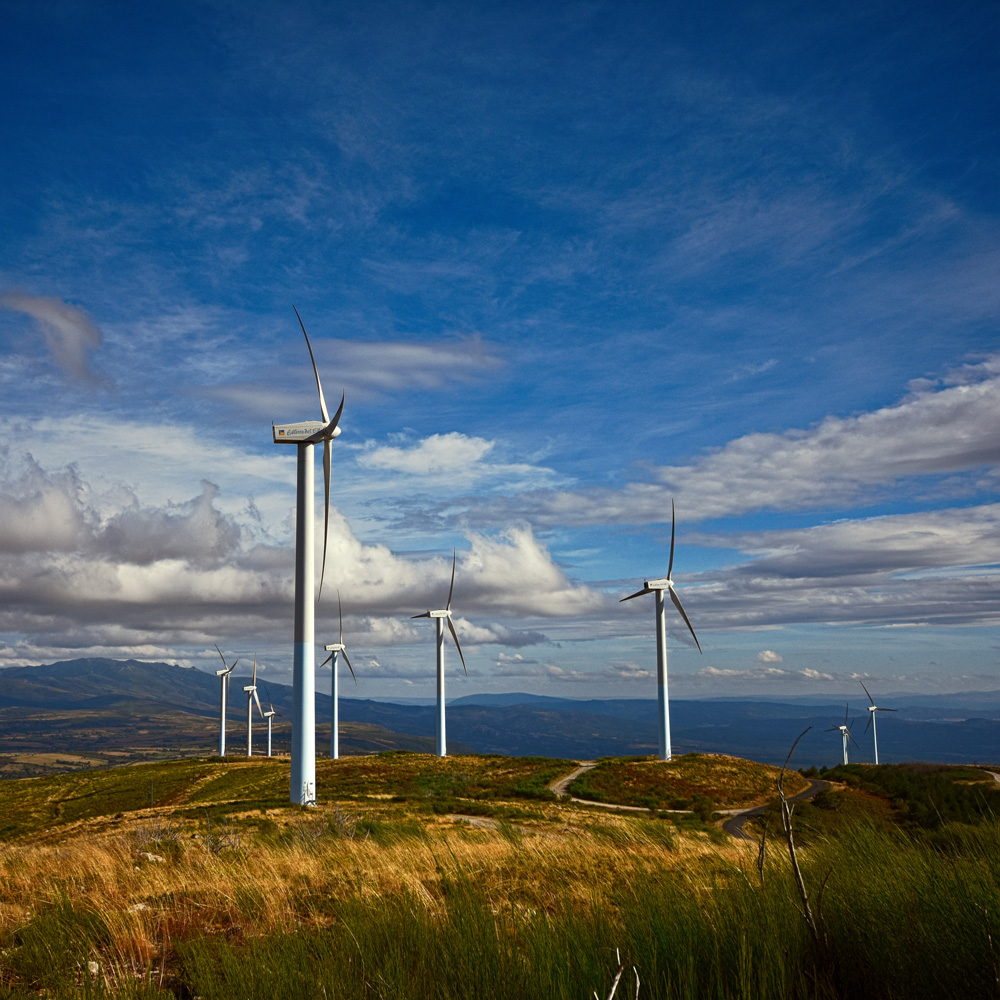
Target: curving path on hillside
734	825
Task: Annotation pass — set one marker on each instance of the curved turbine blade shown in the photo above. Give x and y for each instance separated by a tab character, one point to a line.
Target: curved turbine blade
270	705
256	699
886	709
871	701
673	527
853	740
638	593
254	681
677	605
319	385
458	646
326	512
327	433
846	709
220	654
451	589
343	653
869	724
326	661
340	604
426	614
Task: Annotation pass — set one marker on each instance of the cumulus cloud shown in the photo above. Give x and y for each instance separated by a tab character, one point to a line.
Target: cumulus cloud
627	672
69	334
86	571
938	567
455	460
769	656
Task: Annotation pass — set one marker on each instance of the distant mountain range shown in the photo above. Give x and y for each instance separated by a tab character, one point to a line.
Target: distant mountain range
132	708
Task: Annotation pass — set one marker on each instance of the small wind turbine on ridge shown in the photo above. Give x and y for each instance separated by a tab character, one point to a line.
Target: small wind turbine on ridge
336	649
873	710
659	587
440	617
251	690
223	674
305	435
845	732
269	715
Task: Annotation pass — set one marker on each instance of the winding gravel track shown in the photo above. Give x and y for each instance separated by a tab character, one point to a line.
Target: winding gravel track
734	825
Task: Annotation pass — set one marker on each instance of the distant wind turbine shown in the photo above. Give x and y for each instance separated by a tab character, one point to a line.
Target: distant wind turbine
251	690
335	649
441	617
873	710
269	715
845	732
305	435
659	587
223	674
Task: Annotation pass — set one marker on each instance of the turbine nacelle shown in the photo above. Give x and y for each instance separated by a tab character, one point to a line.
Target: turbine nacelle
439	614
303	432
335	647
665	584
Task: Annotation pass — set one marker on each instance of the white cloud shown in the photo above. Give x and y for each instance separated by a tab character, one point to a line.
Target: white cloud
70	335
949	428
769	656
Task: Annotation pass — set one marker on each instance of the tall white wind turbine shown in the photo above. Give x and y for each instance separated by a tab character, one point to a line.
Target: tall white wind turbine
251	690
659	588
873	710
845	732
305	435
336	649
269	715
223	675
440	618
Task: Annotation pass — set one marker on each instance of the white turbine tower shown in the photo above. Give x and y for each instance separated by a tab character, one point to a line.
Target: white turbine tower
845	732
251	690
335	649
873	710
223	675
305	435
440	618
269	715
659	587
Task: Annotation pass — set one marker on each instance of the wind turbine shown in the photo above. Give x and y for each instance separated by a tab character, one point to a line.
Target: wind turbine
335	649
251	690
873	710
659	587
305	435
441	617
223	674
845	732
269	715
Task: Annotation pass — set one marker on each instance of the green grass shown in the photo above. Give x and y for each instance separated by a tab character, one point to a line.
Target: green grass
694	781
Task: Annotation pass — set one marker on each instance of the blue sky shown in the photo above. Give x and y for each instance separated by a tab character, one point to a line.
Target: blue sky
568	261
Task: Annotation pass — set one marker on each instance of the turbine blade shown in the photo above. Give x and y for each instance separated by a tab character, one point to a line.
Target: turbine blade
871	701
340	604
319	385
254	681
846	709
853	740
869	725
326	661
831	729
638	593
886	709
673	526
349	667
256	699
326	511
458	646
677	605
220	654
451	589
267	694
426	614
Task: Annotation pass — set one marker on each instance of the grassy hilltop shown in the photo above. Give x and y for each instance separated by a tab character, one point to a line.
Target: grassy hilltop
420	877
